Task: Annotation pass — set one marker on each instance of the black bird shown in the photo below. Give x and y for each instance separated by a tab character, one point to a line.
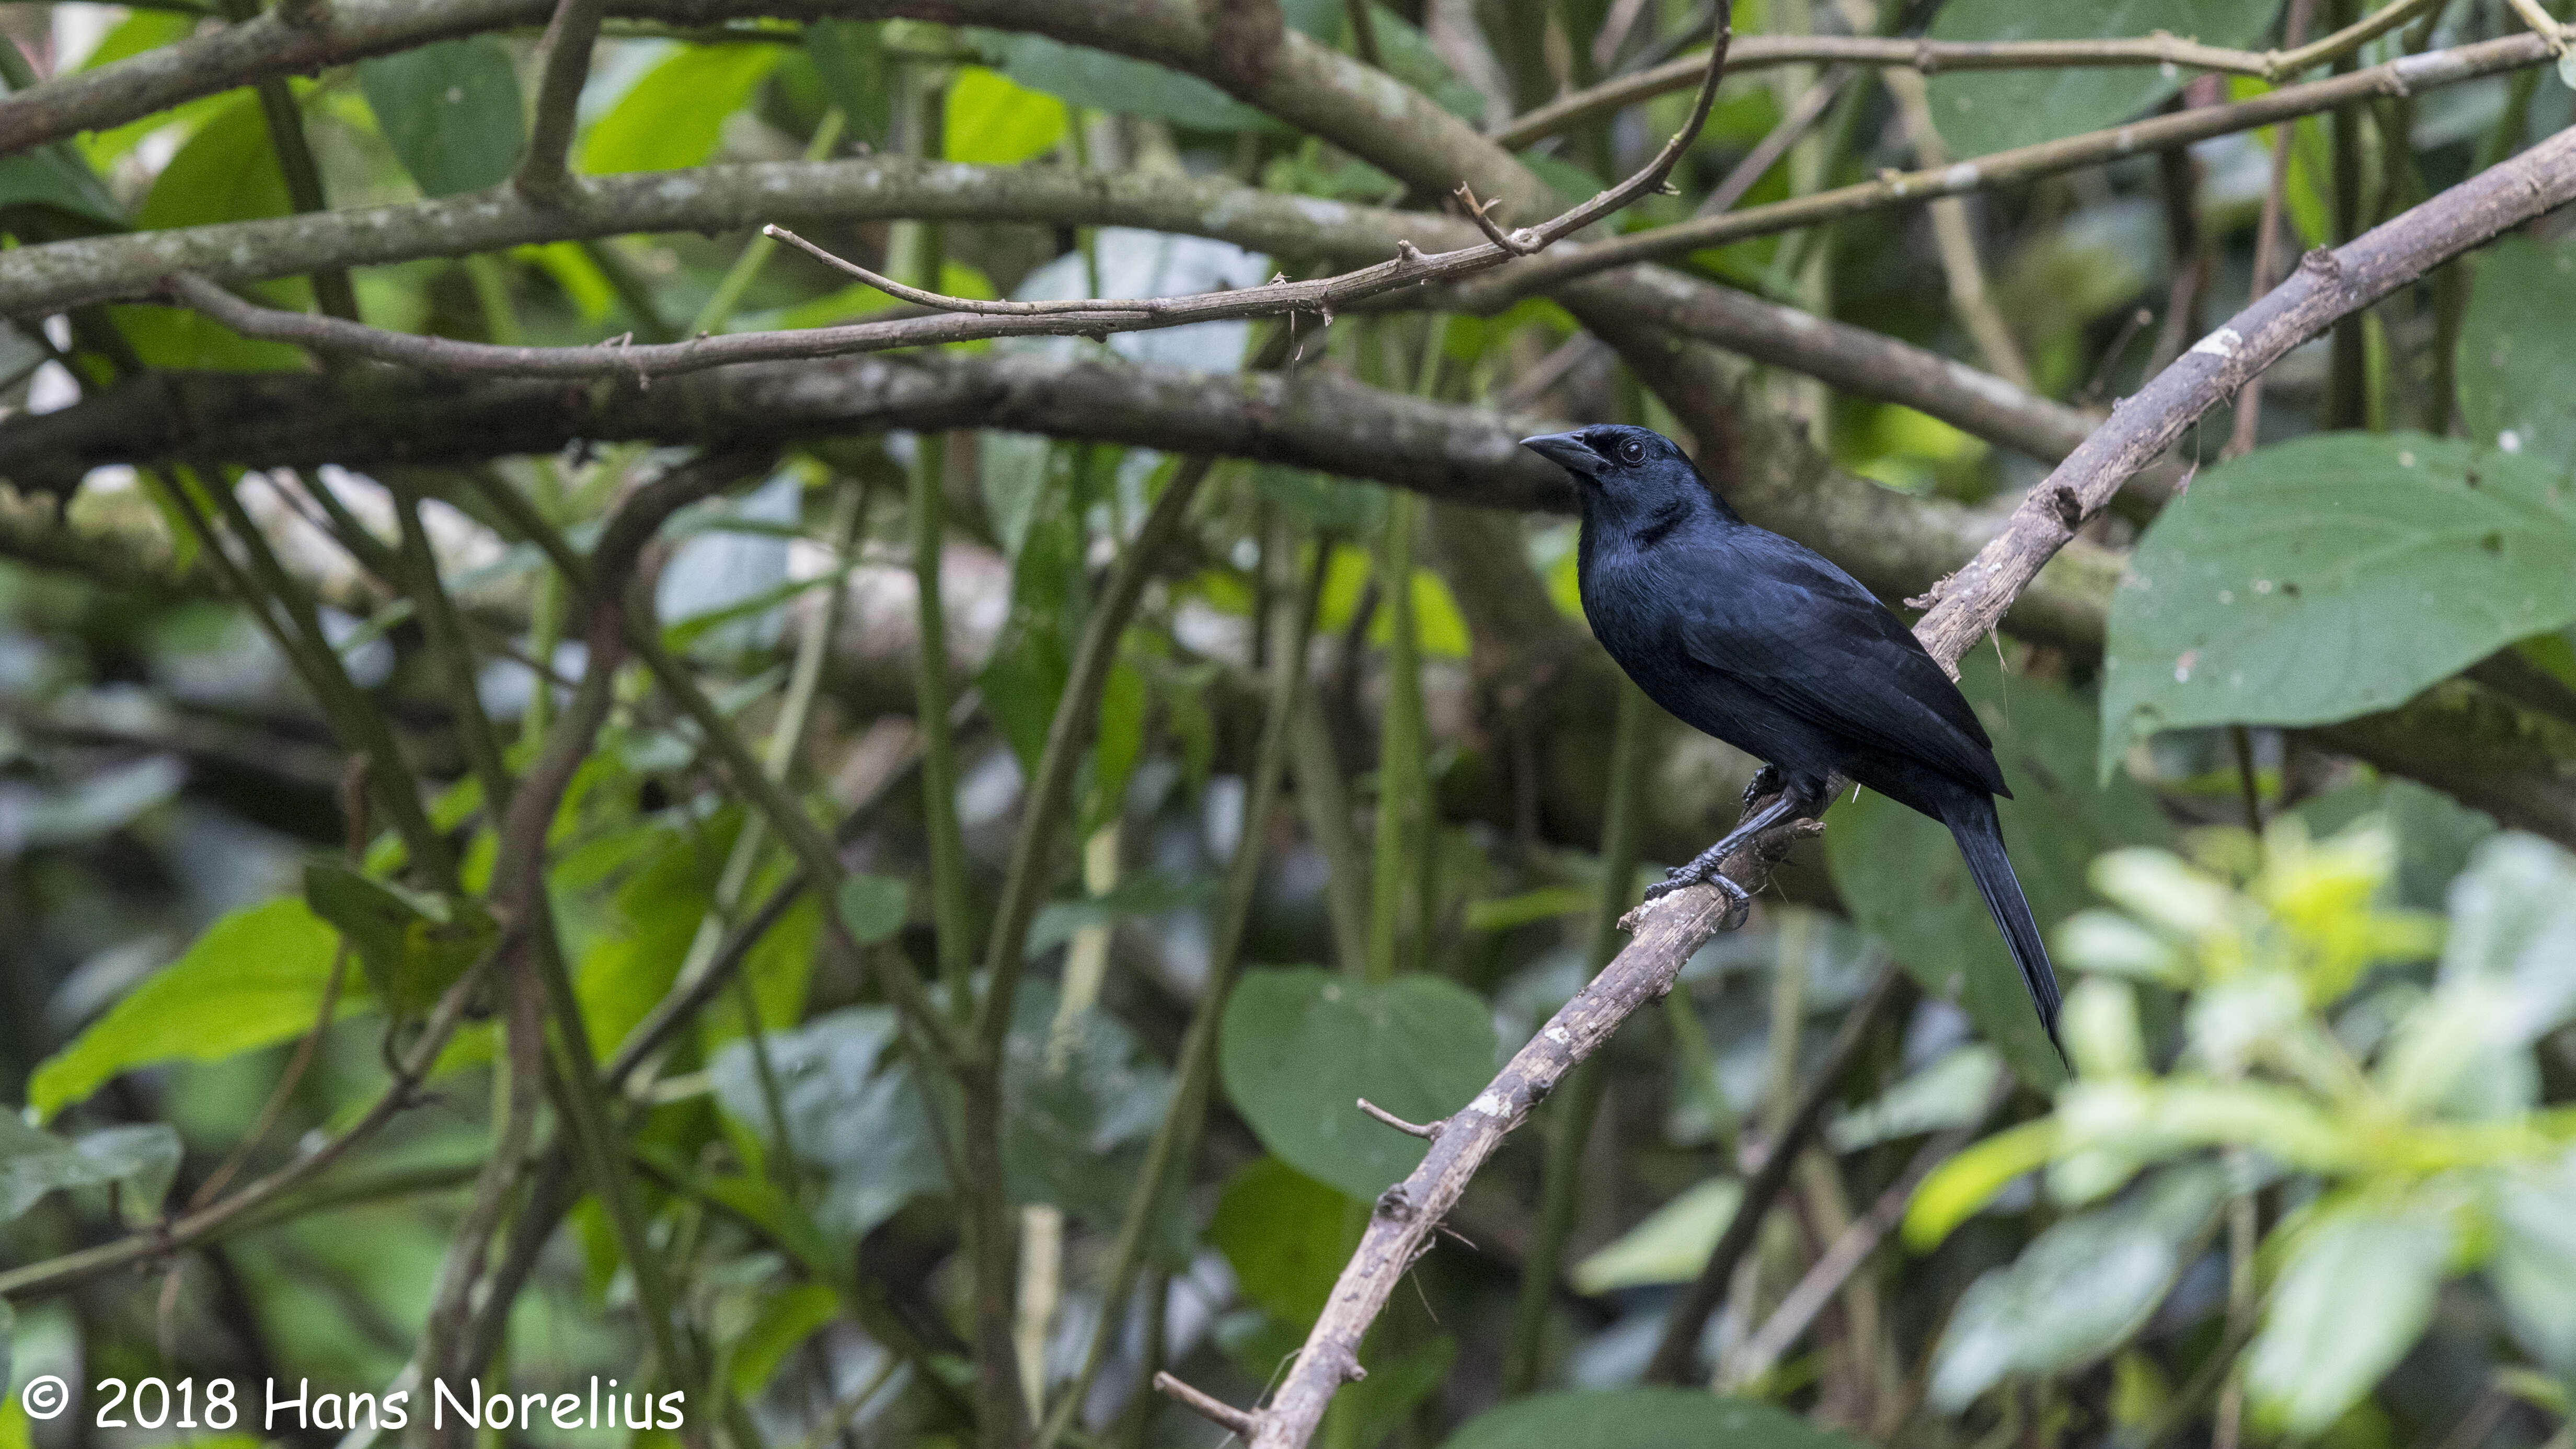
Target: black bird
1762	642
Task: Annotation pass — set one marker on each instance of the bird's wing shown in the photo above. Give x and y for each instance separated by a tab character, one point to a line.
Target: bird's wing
1810	636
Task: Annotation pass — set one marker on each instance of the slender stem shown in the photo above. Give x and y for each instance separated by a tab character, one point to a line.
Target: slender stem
2347	402
1069	733
1324	801
455	656
1677	1356
1579	1101
1175	1140
541	177
1402	788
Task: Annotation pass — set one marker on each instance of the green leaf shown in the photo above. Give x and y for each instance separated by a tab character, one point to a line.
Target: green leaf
1641	1419
451	112
850	59
2534	1269
45	194
2517	371
1299	1047
1286	1236
784	1321
1959	1187
873	907
1377	1405
1117	745
1981	111
853	1113
142	1158
675	115
2331	577
1902	876
2354	1296
2080	1290
2513	924
1082	76
992	122
1080	1096
1670	1246
1952	1092
414	946
253	979
226	172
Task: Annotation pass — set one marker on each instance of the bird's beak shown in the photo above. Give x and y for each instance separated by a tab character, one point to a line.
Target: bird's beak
1567	451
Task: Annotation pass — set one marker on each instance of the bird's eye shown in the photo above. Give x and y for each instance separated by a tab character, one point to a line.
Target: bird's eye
1632	451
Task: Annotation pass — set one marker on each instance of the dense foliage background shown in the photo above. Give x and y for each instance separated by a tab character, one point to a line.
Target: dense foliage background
895	1024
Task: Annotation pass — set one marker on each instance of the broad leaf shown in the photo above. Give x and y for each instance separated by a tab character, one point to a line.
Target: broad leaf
853	1113
2517	367
227	171
675	115
784	1321
850	59
1286	1236
413	946
451	112
2513	923
1670	1246
143	1159
2082	1289
1102	81
1641	1419
1299	1047
1903	878
992	122
1080	1097
45	194
2356	1292
872	907
2534	1269
1981	111
253	979
2330	577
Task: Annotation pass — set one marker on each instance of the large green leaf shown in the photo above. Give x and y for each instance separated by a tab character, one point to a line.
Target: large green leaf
2078	1292
1080	1097
1902	876
1095	78
675	115
1286	1236
143	1159
1641	1419
43	193
451	112
1299	1047
2355	1294
853	1113
1980	111
2534	1270
253	979
226	172
2517	364
2331	577
850	59
1670	1246
413	946
993	122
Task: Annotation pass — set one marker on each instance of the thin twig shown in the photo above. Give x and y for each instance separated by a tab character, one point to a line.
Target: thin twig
1757	52
958	319
1427	1131
1206	1405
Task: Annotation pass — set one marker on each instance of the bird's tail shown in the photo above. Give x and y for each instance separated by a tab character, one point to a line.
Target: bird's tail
1980	835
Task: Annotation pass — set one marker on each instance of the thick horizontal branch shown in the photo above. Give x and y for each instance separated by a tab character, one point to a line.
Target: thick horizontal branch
376	421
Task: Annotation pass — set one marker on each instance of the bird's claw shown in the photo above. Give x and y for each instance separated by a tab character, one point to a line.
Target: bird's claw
1765	781
1739	904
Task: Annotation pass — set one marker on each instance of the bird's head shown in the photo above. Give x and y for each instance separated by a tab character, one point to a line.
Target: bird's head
1629	470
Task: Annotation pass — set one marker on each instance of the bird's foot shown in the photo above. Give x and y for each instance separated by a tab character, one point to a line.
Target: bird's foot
1766	781
1739	904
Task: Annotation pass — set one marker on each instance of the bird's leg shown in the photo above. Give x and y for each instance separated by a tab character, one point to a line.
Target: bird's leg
1703	869
1764	781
